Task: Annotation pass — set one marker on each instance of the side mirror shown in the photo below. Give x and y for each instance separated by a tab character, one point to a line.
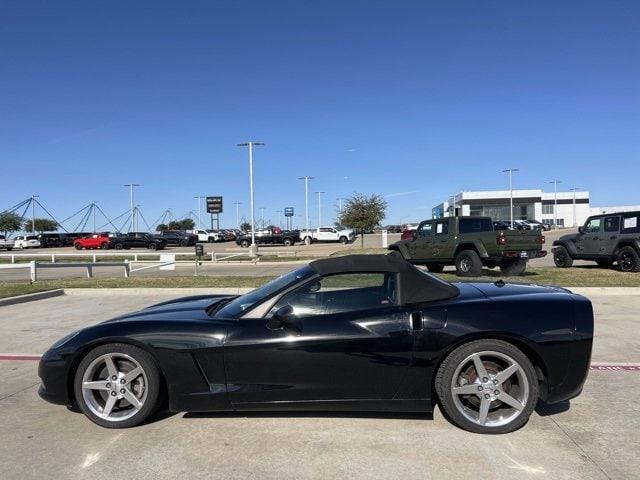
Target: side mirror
284	318
581	230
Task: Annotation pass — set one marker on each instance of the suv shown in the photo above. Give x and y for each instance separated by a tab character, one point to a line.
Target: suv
470	243
178	238
273	235
604	239
327	234
6	243
97	240
52	240
137	240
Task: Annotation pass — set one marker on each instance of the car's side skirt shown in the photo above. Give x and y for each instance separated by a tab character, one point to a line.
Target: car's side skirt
422	405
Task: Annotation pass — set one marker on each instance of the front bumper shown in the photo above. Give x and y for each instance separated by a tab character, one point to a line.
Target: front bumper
55	387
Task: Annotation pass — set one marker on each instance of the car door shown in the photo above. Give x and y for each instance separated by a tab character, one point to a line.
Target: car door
443	243
352	342
420	246
588	243
610	237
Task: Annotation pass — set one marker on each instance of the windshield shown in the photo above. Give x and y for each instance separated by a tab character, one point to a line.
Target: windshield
253	298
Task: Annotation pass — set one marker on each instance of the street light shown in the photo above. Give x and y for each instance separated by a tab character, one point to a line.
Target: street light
33	213
340	199
555	202
511	170
253	250
237	204
133	212
574	190
262	217
200	197
319	209
306	200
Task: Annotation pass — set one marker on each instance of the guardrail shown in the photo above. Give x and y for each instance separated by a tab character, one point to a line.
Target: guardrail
34	266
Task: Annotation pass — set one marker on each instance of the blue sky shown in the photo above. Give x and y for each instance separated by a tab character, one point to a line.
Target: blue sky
410	99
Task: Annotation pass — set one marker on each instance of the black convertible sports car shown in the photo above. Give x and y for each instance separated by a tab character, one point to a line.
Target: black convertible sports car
355	333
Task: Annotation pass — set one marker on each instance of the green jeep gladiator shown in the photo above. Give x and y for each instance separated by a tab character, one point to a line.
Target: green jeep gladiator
470	243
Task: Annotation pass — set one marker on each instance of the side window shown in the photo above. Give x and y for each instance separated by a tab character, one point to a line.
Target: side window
424	230
631	223
442	227
345	292
593	225
612	224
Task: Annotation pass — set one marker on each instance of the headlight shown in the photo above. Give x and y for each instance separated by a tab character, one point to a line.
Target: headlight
64	340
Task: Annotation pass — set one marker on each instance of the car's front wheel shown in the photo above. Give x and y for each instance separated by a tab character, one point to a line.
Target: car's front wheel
287	242
344	240
487	386
561	257
117	385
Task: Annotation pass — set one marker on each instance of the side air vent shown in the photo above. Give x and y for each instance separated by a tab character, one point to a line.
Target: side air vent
416	320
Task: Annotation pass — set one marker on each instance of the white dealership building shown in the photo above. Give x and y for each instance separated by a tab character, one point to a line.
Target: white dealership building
566	208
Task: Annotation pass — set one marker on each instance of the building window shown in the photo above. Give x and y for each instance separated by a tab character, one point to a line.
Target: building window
547	209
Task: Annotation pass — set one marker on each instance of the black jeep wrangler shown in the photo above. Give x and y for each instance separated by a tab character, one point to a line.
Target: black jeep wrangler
605	239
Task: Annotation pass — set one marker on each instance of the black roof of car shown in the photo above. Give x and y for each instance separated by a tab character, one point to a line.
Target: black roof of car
415	286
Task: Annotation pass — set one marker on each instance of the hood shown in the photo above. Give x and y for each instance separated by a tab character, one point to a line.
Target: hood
501	289
185	308
566	238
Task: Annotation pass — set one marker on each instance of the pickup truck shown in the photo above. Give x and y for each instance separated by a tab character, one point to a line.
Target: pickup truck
137	240
273	236
97	240
7	244
604	239
470	243
208	236
327	234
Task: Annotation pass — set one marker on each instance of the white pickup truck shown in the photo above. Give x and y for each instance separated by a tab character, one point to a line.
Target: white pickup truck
7	244
327	234
207	235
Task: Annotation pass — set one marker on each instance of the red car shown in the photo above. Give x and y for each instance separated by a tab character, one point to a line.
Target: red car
407	233
97	240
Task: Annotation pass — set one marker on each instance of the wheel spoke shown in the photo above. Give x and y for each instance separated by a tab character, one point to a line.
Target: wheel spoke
507	372
111	366
512	402
132	399
469	389
99	385
108	406
484	410
132	375
479	366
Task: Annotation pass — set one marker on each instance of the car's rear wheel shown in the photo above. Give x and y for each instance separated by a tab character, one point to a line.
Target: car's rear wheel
628	260
117	385
245	243
78	247
513	267
211	240
287	242
435	267
152	246
561	257
604	262
184	243
487	386
118	246
104	246
468	264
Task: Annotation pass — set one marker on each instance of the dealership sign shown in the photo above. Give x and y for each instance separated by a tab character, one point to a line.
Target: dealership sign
288	211
214	204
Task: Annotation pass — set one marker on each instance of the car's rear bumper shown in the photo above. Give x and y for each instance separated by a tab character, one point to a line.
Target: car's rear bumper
526	254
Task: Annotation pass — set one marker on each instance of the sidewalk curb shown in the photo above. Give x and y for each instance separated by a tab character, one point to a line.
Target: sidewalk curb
605	291
30	297
183	292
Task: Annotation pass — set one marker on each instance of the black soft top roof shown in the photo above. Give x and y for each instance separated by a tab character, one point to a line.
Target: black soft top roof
414	286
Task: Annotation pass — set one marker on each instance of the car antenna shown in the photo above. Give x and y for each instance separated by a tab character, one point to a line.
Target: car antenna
499	283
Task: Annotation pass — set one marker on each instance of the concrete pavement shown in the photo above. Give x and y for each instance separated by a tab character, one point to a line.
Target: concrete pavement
596	438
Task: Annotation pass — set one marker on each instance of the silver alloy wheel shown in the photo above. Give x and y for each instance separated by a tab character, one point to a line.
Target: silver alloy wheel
114	387
490	388
465	264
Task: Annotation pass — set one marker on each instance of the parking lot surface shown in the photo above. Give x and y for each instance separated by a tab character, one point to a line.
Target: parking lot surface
596	438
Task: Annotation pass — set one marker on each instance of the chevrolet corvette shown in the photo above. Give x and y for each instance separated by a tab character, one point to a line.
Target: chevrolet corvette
355	333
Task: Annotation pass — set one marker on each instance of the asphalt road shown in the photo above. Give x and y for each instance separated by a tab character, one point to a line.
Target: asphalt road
596	438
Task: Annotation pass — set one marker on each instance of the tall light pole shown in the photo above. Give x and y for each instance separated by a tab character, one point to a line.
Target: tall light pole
340	199
253	223
306	200
555	202
200	197
33	213
237	204
133	212
511	170
319	209
262	217
93	211
574	190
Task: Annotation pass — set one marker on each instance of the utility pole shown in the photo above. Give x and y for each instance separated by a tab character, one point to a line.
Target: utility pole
237	204
262	217
254	250
200	197
133	211
555	202
93	211
306	200
340	199
33	213
574	190
319	209
511	170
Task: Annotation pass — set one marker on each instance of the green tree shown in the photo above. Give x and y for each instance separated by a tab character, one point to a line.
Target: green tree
42	225
10	222
363	212
162	227
184	224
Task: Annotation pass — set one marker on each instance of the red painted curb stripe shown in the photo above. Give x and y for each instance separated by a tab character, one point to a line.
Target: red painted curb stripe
18	356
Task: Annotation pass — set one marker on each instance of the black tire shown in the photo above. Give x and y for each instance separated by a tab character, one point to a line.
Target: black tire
287	242
104	246
561	257
245	243
118	246
184	243
444	383
344	240
604	262
308	240
468	264
9	249
152	386
78	247
152	246
435	267
628	260
211	240
513	267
